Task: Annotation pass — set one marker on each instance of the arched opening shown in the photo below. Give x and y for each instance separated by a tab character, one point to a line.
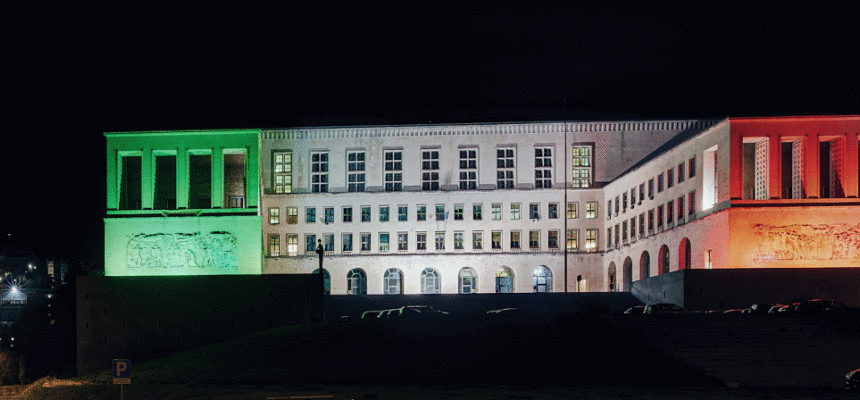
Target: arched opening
431	281
468	280
392	282
613	285
644	265
542	279
663	260
504	280
326	279
356	282
684	254
628	273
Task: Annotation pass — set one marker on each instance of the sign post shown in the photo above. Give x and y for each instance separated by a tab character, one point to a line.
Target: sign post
121	372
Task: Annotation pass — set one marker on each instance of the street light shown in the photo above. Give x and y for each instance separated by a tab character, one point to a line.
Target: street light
321	252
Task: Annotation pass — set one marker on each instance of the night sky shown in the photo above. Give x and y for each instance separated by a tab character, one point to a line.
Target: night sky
72	74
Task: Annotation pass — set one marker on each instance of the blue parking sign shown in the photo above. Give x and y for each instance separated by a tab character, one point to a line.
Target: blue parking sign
121	371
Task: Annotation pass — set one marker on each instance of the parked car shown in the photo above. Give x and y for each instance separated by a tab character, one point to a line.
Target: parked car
762	308
370	314
418	312
821	307
663	308
635	310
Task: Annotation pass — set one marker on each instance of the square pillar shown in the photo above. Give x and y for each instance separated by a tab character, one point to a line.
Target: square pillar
147	176
736	154
774	184
182	178
112	179
810	167
217	177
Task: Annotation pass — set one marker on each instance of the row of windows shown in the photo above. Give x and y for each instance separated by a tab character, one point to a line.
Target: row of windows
516	242
621	229
506	168
621	201
439	212
431	281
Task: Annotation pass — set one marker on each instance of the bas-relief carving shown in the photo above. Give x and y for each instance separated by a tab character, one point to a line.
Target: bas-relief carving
178	250
808	242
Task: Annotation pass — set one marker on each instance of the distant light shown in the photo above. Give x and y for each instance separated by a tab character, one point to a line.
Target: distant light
14	289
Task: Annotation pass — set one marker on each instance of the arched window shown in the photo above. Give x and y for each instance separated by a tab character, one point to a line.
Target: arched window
613	282
644	266
542	279
684	255
505	280
663	260
431	282
356	282
468	280
326	279
392	282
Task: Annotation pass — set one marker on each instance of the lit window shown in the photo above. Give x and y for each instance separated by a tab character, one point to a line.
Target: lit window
477	240
515	211
468	280
292	244
431	282
365	242
496	211
430	170
393	170
393	282
383	213
319	172
421	240
402	241
580	162
572	211
274	215
515	240
591	240
572	240
292	215
496	240
591	209
355	171
458	240
283	172
440	240
458	212
274	245
477	211
468	169
543	167
383	241
505	168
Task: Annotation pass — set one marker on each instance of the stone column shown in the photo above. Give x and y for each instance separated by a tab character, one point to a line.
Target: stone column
850	183
774	184
736	154
810	167
147	176
182	178
217	177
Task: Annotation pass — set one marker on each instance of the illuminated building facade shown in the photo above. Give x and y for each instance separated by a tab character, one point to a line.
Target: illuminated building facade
182	203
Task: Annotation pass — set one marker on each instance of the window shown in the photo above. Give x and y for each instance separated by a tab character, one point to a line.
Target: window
422	212
616	235
383	242
440	240
660	217
534	211
553	210
441	215
553	239
681	208
542	279
130	172
347	242
458	240
292	215
670	178
497	240
283	171
383	213
591	209
355	171
393	170
572	211
310	215
660	183
319	172
650	221
515	212
624	197
310	243
591	240
641	192
356	282
421	240
329	215
477	211
580	166
515	240
199	179
402	241
329	242
365	242
691	201
274	215
365	214
624	232
670	213
617	205
633	228
347	214
505	280
468	169
609	209
393	284
534	240
402	213
477	240
642	225
633	197
572	240
505	168
543	167
651	188
292	244
609	237
692	166
468	280
274	245
680	172
496	211
164	190
431	282
458	212
430	170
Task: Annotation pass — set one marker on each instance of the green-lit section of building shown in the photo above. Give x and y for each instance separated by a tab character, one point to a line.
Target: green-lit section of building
182	203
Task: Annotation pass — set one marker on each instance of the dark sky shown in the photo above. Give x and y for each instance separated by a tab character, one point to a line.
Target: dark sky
75	73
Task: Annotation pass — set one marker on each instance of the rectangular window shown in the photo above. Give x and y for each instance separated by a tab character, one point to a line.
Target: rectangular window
515	240
692	165
165	182
402	213
274	245
310	243
591	240
355	171
680	172
591	209
633	197
274	215
642	225
624	197
421	240
458	240
617	205
441	215
458	212
393	170
383	242
329	215
624	232
328	240
543	167
609	209
553	211
534	240
130	186
650	221
641	192
617	234
402	241
680	208
468	169
534	211
505	168
310	215
553	239
580	166
440	240
515	212
383	213
430	170
292	215
497	240
283	171
200	181
572	211
572	240
496	211
660	183
319	172
670	213
365	214
691	201
609	237
422	212
477	211
633	228
292	244
477	240
651	189
365	242
660	217
347	214
670	177
347	241
234	178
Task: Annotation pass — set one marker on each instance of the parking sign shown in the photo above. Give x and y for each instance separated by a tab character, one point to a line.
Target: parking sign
121	371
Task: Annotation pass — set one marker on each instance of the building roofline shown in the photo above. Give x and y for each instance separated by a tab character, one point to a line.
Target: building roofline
244	131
